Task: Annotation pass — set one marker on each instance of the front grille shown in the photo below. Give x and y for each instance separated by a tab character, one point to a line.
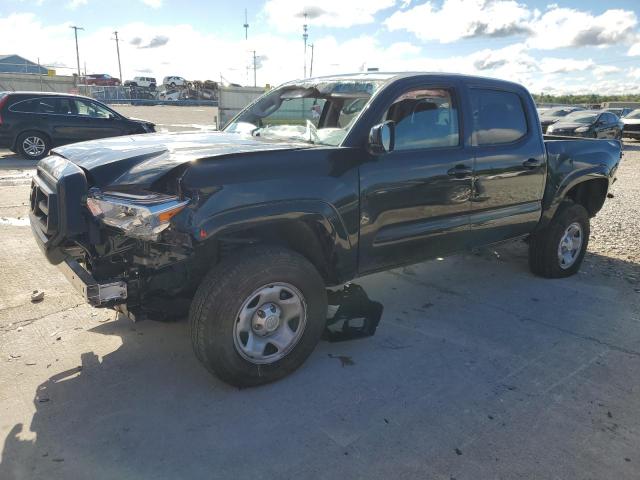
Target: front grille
632	127
43	202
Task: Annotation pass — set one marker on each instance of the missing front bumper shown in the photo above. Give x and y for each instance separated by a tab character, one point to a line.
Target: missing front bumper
96	294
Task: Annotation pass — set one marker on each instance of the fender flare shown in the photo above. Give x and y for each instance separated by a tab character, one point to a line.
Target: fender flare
342	257
556	197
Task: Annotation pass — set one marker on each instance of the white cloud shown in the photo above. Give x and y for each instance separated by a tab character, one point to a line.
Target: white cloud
634	73
73	4
458	19
634	50
566	27
153	3
288	15
605	70
174	55
555	28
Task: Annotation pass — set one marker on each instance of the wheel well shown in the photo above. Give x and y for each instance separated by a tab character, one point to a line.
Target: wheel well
590	194
306	238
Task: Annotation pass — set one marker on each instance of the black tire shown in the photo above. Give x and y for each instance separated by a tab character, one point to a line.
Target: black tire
223	292
543	245
37	137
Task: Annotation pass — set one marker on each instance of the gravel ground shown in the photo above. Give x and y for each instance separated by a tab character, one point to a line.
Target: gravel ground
169	118
615	231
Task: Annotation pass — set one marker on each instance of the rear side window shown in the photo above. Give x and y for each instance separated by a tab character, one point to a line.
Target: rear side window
498	117
26	106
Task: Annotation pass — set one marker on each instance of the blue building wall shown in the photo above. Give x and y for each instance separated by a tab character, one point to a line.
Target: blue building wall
18	64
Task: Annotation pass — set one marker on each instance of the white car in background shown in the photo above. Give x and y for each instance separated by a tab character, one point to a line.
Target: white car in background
174	82
144	82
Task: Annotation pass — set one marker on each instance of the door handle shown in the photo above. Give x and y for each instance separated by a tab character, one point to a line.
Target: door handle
460	171
532	163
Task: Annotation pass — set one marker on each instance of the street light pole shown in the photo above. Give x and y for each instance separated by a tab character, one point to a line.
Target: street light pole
118	50
311	67
75	31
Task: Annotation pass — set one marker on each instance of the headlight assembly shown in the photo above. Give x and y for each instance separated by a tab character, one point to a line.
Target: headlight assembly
582	129
139	215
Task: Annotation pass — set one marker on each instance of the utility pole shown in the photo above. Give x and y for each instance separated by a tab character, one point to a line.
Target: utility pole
311	67
305	36
246	25
75	31
254	69
118	50
40	73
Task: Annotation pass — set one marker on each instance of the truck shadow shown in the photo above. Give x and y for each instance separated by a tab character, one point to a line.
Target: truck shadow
149	410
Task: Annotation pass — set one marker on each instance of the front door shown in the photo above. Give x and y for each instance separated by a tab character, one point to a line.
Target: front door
415	200
93	121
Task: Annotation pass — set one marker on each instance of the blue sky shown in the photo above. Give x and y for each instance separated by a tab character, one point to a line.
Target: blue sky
566	46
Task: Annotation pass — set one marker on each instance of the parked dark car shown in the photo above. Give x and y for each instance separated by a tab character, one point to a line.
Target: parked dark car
102	80
631	125
552	115
31	123
588	123
251	225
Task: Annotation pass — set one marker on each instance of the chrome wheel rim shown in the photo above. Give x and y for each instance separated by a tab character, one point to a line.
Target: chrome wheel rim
270	323
570	245
33	146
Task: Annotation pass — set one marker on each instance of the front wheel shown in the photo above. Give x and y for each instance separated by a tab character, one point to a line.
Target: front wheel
33	145
256	317
558	250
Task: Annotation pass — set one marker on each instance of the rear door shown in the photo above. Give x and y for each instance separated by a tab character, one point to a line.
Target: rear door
415	200
509	164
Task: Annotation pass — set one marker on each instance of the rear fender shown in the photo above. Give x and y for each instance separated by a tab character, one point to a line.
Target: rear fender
556	193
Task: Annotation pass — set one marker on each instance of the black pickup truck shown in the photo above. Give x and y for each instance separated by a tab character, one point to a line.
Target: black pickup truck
314	184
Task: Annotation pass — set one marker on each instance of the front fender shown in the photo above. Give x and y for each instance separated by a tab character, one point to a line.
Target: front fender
339	255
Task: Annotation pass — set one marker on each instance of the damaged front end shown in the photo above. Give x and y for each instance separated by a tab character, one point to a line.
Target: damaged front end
115	246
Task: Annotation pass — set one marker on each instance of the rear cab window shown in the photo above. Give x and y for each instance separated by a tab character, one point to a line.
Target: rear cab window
498	117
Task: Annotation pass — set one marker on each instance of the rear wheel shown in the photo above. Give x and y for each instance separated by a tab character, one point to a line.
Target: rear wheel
256	317
558	250
33	145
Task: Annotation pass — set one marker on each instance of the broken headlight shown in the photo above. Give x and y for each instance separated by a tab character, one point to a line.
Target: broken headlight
139	215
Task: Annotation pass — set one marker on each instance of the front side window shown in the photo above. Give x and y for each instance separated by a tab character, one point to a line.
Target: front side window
498	117
425	118
314	112
90	109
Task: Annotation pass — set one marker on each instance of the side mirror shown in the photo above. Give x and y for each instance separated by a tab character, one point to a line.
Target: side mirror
382	138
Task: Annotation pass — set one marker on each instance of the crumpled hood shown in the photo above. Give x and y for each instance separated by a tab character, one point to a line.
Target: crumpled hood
142	159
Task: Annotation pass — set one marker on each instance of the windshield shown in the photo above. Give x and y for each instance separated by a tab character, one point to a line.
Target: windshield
634	115
319	112
581	117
